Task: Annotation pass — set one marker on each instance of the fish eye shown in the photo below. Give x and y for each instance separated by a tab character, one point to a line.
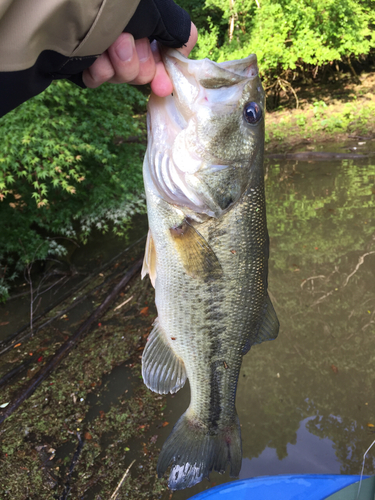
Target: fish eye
252	113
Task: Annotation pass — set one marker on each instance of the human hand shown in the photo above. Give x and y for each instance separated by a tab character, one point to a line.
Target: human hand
136	62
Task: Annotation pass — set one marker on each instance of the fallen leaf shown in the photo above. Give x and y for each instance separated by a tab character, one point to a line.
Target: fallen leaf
4	405
40	359
17	345
4	323
141	426
154	438
370	425
144	311
165	424
102	414
87	436
334	369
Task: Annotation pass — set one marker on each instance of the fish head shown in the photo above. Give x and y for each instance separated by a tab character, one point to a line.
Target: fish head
207	138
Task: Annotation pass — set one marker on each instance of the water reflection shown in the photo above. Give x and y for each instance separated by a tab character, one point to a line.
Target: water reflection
305	400
308	453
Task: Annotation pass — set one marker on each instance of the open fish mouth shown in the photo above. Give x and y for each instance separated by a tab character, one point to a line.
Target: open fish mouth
180	150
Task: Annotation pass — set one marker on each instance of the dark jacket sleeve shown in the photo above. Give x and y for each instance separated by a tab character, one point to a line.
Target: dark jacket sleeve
29	65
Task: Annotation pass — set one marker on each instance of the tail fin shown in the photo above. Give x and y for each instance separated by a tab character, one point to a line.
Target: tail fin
194	452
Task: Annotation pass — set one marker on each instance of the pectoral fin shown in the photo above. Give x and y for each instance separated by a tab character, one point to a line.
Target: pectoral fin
162	370
198	258
149	261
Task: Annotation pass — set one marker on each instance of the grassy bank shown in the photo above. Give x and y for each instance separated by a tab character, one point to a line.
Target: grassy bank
333	112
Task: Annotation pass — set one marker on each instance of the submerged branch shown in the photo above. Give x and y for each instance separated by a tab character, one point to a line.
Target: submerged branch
38	378
79	287
114	494
75	458
323	297
15	371
316	155
360	262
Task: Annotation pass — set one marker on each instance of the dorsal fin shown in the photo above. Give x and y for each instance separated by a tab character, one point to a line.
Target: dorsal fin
268	329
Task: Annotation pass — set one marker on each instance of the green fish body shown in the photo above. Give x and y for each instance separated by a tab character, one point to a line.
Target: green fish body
207	254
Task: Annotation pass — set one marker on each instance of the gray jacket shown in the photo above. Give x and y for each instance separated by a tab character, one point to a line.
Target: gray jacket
43	40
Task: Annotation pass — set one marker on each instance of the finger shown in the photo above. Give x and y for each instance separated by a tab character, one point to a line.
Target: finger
186	49
161	85
98	73
124	59
146	62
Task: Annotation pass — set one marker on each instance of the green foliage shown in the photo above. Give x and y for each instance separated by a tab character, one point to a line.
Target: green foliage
285	34
69	160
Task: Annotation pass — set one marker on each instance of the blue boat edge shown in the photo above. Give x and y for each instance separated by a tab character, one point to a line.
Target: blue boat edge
293	487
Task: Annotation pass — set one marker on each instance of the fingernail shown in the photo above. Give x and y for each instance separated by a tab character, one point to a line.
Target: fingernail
143	50
126	49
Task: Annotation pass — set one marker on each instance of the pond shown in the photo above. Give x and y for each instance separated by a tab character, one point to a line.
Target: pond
306	400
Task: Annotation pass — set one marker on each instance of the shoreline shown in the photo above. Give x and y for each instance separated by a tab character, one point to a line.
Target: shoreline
342	113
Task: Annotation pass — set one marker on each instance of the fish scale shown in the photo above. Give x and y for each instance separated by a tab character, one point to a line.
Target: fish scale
207	260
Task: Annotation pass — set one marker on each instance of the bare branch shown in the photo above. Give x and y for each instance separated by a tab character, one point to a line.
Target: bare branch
320	276
360	262
114	494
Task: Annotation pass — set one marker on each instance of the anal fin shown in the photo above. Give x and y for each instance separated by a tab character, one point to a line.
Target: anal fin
198	258
162	370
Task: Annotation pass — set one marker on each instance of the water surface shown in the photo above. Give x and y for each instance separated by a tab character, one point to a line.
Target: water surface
306	400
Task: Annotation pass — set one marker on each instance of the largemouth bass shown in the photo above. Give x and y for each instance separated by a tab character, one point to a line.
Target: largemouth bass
206	254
